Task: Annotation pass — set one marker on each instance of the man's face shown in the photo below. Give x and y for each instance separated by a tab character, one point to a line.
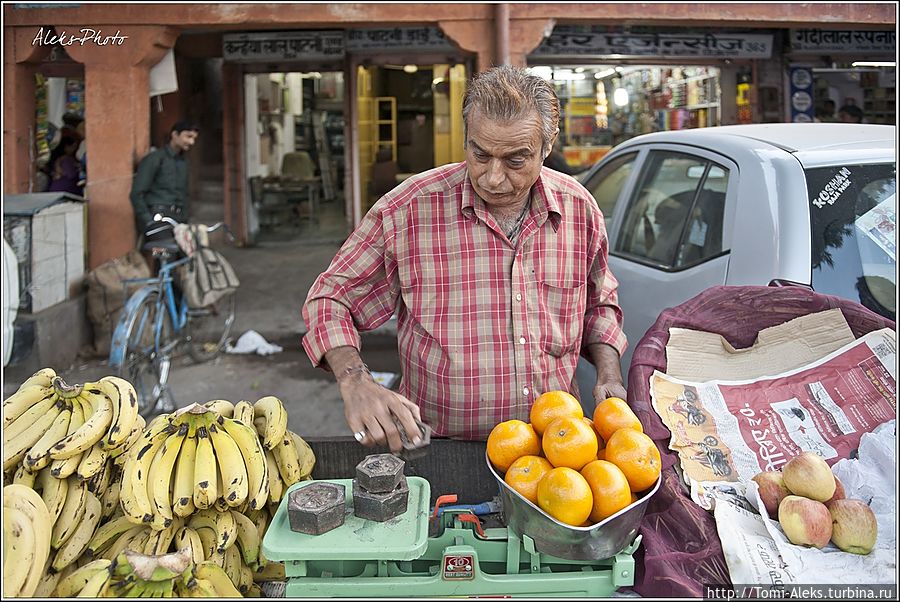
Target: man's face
503	157
183	141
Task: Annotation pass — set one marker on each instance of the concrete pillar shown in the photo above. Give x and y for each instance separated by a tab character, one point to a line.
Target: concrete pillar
474	35
21	57
117	131
524	36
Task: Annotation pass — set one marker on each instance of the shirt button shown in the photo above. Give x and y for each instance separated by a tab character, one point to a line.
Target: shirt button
522	340
518	296
525	391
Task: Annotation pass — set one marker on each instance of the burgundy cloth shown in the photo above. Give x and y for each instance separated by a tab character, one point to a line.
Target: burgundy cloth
681	551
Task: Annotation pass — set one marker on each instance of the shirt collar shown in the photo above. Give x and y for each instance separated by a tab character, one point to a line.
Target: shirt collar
544	205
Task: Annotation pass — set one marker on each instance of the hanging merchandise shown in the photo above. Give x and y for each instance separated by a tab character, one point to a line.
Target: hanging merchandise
43	135
75	96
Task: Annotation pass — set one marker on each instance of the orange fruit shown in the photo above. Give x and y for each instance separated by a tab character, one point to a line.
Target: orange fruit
523	475
566	496
601	454
509	441
608	486
552	405
613	414
634	498
569	442
637	456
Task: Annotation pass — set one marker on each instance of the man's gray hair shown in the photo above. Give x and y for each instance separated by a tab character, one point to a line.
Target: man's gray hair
509	93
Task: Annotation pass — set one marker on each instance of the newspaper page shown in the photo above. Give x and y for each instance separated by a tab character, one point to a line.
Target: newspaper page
728	431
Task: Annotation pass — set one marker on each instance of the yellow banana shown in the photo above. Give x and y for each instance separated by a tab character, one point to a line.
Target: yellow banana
243	411
24	477
108	532
47	584
92	462
276	485
271	408
75	581
203	588
271	571
220	503
63	468
15	447
216	576
22	499
111	493
23	400
81	537
222	407
126	540
125	410
53	492
96	586
247	538
160	473
71	514
231	466
222	522
91	431
205	479
305	456
246	581
99	481
21	546
207	537
287	459
43	377
187	537
254	457
183	485
233	565
134	493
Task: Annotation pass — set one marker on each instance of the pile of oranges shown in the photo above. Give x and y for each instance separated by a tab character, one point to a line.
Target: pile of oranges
576	469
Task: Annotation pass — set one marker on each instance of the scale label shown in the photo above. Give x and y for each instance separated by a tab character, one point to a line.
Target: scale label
459	566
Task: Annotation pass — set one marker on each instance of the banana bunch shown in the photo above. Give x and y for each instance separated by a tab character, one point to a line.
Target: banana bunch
26	540
132	574
72	429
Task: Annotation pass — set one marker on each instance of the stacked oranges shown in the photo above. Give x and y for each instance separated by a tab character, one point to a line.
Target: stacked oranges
576	469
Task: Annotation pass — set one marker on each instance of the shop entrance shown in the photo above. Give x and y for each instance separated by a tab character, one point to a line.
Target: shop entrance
409	121
294	154
603	105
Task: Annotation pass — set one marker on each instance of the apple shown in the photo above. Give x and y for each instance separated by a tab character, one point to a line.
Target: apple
806	522
771	490
808	475
839	492
854	527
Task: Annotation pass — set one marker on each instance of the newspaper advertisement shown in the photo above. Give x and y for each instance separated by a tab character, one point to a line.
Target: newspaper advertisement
728	431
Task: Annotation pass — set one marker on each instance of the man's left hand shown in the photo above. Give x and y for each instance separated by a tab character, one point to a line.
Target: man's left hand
611	389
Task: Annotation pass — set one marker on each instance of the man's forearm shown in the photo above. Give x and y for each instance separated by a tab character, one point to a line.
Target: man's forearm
342	359
606	360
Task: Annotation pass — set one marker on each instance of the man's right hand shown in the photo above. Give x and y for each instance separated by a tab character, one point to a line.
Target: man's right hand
369	407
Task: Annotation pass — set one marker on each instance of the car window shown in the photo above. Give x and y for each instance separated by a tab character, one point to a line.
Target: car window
606	185
675	217
853	217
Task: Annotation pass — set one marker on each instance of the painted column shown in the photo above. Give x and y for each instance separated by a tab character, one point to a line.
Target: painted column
117	129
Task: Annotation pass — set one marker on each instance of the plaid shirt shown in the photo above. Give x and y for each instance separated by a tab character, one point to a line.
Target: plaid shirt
484	326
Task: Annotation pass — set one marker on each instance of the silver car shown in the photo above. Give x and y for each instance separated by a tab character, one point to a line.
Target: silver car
809	204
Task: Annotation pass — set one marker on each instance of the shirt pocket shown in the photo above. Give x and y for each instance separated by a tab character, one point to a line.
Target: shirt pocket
561	315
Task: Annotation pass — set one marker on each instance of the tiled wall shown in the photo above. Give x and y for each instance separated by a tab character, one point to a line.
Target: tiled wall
57	254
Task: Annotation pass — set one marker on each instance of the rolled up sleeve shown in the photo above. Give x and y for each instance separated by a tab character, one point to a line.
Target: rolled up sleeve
603	316
357	292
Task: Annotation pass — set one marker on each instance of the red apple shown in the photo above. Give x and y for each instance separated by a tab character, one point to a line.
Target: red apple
854	527
839	493
771	490
806	522
810	476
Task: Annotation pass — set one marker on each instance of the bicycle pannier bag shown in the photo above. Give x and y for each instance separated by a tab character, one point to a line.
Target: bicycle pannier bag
106	295
207	278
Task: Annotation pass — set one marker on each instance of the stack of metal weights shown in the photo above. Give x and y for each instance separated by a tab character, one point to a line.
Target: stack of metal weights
380	491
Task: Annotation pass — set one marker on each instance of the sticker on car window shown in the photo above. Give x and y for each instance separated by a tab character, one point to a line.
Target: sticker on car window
833	189
880	224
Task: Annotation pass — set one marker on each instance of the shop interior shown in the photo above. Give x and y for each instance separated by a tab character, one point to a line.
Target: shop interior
603	105
869	85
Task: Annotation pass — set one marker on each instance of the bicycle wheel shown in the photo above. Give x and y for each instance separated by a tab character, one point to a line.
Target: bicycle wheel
208	328
145	365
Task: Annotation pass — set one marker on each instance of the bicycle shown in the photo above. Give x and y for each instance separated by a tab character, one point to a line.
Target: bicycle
154	324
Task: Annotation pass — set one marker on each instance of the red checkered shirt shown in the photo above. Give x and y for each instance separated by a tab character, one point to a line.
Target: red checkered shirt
484	326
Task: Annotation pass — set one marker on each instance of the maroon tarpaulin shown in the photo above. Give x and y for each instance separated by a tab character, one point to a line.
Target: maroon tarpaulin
681	551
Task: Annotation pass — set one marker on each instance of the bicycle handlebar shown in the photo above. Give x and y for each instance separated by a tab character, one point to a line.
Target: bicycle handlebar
172	223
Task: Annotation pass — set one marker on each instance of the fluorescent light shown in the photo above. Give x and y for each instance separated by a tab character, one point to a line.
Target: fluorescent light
604	73
542	72
873	64
410	68
620	97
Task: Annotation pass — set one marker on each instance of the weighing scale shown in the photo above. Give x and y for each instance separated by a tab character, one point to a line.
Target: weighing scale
424	554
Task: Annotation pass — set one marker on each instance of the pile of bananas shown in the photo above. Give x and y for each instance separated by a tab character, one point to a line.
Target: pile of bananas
131	574
26	540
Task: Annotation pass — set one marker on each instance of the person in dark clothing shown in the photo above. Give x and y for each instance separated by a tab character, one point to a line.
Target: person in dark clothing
850	114
64	168
557	160
160	184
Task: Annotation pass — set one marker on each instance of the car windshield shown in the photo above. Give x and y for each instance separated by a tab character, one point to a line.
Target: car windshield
854	216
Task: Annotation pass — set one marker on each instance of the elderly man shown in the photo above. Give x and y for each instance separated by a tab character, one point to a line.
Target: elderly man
496	269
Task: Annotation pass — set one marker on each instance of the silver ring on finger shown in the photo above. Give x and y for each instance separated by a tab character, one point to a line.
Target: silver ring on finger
359	435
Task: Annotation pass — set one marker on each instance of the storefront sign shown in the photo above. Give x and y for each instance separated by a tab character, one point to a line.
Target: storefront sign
726	45
843	41
801	94
280	45
405	38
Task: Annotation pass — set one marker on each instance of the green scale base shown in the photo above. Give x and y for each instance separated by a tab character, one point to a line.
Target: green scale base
415	555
